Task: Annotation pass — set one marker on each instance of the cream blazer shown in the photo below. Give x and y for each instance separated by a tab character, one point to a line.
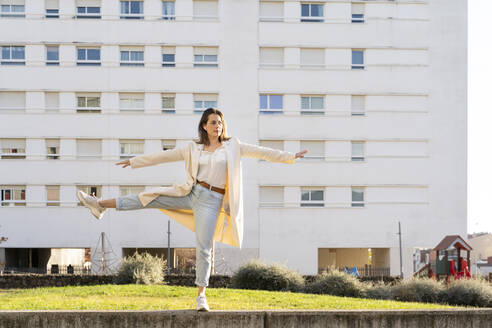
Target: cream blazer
229	228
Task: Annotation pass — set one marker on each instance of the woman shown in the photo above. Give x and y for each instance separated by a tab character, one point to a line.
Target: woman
210	201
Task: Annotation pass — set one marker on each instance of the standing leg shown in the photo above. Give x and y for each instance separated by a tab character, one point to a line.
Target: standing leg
206	211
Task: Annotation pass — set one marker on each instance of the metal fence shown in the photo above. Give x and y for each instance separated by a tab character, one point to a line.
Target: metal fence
365	271
54	269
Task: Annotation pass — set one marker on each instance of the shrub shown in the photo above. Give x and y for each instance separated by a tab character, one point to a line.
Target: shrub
141	269
378	290
474	292
417	290
258	275
334	282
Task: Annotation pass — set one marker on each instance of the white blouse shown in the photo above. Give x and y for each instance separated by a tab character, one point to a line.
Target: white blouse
212	167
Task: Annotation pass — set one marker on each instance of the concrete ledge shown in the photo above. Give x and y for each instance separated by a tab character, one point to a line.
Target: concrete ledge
469	318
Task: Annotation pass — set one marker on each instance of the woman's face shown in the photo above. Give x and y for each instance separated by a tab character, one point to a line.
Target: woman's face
213	126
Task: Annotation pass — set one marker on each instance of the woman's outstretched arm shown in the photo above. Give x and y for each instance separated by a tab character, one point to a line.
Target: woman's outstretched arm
269	154
171	155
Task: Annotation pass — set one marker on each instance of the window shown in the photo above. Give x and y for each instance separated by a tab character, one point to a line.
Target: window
12	102
52	148
52	8
131	56
13	55
90	190
311	197
205	10
88	148
13	148
88	103
357	13
271	196
312	105
271	57
271	11
168	10
204	101
13	195
12	8
168	104
316	149
52	195
131	190
357	151
357	59
88	57
311	12
168	144
131	10
131	148
52	56
168	57
357	105
357	197
88	9
205	57
312	58
131	102
271	104
51	101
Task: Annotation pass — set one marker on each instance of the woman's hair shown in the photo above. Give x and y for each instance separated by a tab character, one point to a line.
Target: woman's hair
202	133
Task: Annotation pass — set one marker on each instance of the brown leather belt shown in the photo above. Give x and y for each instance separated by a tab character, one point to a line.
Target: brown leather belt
206	185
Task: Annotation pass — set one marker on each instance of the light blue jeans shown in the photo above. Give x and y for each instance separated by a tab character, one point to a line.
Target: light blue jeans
206	206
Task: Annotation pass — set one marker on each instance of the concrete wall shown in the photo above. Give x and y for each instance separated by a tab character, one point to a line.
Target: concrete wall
249	319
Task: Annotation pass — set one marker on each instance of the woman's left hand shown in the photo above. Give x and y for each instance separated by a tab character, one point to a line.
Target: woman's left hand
301	154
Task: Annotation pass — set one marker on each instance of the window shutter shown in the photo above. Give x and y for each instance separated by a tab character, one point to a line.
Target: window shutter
312	56
205	51
53	193
88	147
271	9
272	195
88	3
168	144
205	97
13	100
358	8
169	50
205	8
52	4
357	149
271	55
13	2
275	144
52	100
358	103
13	143
315	148
52	142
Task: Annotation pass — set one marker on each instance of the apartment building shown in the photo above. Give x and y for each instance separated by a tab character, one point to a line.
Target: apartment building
375	90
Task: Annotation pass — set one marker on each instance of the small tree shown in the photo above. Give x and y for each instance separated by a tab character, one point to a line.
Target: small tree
2	263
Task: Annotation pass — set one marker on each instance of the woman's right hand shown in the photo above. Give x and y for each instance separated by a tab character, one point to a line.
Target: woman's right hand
125	163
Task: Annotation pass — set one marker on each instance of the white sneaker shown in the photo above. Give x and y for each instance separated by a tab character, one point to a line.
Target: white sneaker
91	202
201	303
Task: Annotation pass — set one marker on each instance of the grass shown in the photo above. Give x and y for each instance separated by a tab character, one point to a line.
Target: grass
164	297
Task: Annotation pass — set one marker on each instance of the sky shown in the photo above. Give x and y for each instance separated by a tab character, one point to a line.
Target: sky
479	115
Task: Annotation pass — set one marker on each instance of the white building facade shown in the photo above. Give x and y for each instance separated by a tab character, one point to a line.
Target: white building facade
375	90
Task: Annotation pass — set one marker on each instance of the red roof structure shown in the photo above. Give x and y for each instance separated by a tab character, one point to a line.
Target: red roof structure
453	241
